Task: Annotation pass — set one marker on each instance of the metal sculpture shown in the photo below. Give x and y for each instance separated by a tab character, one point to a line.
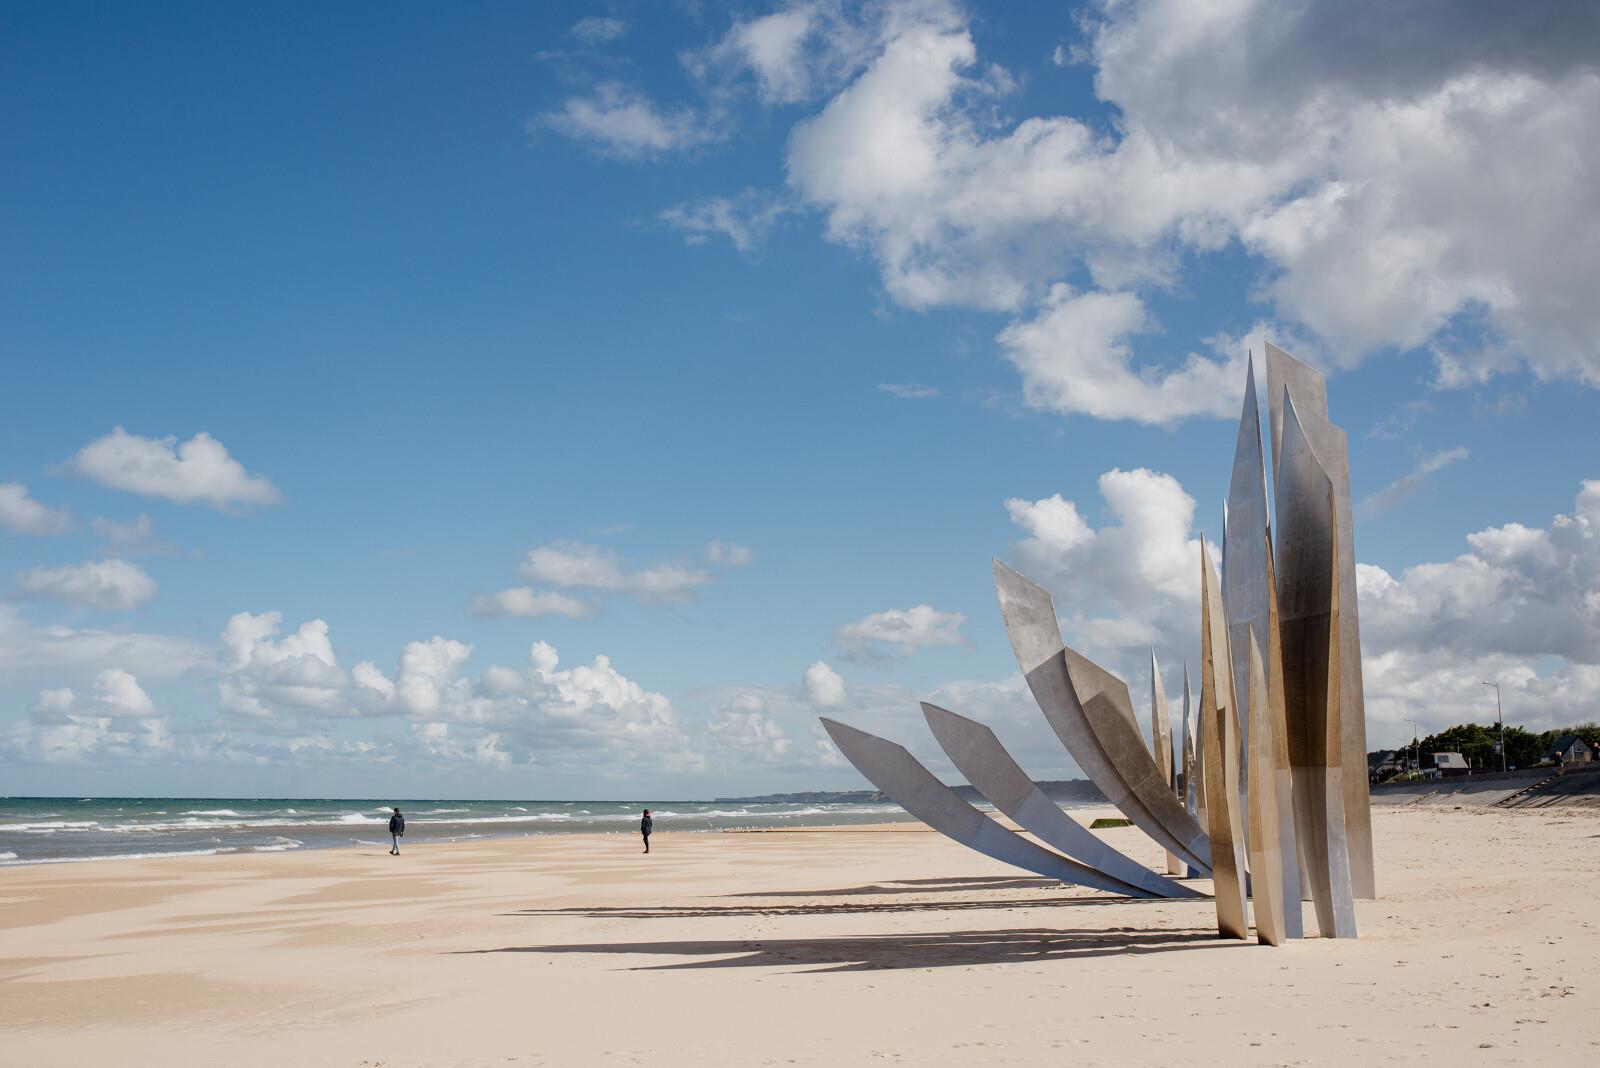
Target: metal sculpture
1289	379
1244	565
978	754
1308	605
1283	776
1219	734
1266	867
1194	791
1260	778
1078	700
914	788
1161	739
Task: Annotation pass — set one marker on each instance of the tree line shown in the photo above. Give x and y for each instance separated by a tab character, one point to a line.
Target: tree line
1524	748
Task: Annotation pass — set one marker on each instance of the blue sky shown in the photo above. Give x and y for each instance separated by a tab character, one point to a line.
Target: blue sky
827	285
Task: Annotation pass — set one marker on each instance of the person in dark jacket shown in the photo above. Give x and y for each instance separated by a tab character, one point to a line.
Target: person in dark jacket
397	828
645	826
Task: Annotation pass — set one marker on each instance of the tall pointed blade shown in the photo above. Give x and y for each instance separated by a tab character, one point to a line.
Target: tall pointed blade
1266	865
1308	597
1244	553
1161	738
1219	739
1283	775
1290	380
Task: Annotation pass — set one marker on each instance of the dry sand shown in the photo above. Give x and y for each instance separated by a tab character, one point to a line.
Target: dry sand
818	948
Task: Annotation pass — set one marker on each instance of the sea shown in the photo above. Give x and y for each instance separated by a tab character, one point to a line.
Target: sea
56	830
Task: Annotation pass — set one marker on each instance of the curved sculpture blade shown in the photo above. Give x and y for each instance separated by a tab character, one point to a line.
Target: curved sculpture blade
914	788
978	754
1108	707
1308	609
1092	714
1289	379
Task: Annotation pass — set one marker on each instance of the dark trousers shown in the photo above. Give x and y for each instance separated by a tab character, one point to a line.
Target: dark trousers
646	843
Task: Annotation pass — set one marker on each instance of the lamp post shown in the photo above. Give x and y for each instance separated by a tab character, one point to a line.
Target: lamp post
1500	719
1416	747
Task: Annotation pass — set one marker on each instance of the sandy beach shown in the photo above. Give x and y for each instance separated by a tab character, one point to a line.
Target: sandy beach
790	948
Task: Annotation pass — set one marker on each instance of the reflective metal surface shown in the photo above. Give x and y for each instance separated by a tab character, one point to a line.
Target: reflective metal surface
978	754
1076	699
1307	560
914	788
1244	549
1161	738
1219	741
1266	866
1283	776
1308	390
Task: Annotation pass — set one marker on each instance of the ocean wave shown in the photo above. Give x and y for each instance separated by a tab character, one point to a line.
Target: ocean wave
8	856
117	856
279	845
210	812
45	827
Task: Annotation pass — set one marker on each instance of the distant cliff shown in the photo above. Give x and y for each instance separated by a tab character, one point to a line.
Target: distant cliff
1079	791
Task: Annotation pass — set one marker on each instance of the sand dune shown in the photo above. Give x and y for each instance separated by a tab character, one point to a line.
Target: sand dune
836	948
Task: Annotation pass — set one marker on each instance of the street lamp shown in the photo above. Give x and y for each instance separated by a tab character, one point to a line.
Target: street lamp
1500	719
1416	747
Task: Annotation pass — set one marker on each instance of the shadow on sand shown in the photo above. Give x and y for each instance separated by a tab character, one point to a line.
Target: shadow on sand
876	952
664	912
917	886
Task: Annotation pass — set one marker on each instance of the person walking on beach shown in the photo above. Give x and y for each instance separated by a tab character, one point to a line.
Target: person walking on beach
397	828
645	826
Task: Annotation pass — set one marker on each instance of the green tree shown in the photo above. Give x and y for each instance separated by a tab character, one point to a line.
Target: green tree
1473	742
1589	732
1524	748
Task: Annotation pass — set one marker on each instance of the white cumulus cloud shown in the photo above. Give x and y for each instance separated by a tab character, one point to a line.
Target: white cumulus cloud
526	602
199	470
745	220
1129	584
824	687
1389	193
110	585
623	123
577	565
63	726
31	650
22	514
904	629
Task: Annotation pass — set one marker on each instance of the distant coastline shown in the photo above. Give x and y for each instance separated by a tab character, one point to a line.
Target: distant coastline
1072	791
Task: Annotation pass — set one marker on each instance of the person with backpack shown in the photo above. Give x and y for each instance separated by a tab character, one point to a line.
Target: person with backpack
397	828
645	826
